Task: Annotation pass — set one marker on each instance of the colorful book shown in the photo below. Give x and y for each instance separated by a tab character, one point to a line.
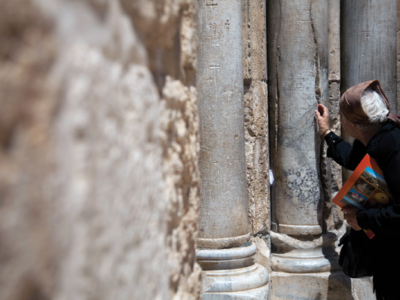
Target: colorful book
366	188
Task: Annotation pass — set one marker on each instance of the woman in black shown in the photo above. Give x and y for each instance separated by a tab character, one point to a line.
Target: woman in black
364	111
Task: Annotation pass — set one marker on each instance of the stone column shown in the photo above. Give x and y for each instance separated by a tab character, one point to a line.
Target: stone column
225	252
298	65
369	44
298	77
368	48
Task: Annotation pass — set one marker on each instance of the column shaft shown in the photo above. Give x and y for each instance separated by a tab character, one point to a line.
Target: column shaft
225	253
298	73
368	47
223	209
368	30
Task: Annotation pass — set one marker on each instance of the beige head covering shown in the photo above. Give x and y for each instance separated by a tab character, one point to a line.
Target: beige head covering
350	103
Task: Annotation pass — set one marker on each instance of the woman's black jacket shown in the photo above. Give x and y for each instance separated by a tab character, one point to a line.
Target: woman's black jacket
384	147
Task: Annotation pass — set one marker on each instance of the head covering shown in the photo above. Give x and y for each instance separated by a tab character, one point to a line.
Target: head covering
350	103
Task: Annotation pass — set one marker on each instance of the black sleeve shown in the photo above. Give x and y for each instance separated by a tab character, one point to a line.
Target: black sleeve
386	219
343	153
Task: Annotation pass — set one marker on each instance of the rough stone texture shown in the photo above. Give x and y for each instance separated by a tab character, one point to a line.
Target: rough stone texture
168	29
254	40
332	172
179	123
99	199
256	113
257	158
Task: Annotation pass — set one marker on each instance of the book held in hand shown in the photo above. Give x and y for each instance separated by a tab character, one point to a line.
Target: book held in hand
365	188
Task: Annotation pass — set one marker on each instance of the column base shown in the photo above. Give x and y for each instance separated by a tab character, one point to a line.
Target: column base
232	274
297	256
255	294
305	261
244	283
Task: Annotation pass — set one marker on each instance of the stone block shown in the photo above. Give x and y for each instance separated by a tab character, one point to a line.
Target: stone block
326	285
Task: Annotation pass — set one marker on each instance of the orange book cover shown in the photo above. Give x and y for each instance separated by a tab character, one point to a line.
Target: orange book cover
366	188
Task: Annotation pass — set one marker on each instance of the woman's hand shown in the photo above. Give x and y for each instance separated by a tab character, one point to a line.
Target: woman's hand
350	214
322	115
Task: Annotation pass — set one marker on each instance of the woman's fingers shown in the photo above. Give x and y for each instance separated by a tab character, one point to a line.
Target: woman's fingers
350	214
323	118
323	110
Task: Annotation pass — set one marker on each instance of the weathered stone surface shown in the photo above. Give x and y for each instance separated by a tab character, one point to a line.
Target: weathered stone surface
245	283
304	247
328	285
298	76
223	208
257	158
368	33
168	29
256	113
331	172
334	40
98	183
179	124
263	254
368	48
254	40
225	253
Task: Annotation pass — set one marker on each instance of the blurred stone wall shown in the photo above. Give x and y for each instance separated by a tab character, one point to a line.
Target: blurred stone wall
98	149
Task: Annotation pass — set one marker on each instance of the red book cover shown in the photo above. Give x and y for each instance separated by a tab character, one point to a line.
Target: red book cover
366	188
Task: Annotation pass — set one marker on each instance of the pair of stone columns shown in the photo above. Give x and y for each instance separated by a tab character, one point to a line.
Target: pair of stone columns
304	70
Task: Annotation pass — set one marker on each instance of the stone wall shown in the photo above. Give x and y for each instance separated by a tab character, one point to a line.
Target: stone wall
331	172
256	113
98	149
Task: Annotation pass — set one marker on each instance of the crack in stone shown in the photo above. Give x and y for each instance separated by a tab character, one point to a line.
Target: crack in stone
317	88
277	110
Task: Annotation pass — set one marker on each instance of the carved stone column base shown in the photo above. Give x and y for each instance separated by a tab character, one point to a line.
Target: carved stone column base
232	274
254	294
305	261
244	283
294	255
325	285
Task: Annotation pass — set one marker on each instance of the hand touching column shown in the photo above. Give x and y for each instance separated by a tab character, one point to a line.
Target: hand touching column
322	115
